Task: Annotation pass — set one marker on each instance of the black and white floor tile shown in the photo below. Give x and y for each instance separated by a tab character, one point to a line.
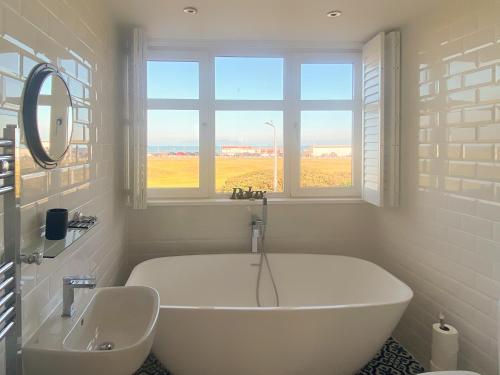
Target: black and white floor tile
392	359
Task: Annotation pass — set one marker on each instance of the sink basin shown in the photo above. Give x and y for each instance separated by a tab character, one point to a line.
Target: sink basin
111	334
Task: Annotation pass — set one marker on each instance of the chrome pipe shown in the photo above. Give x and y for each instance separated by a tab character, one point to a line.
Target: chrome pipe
7	157
6	267
6	143
6	189
6	299
7	174
6	330
7	283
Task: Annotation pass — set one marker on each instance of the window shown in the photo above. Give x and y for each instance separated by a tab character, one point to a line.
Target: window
288	124
326	82
173	149
248	78
249	150
173	80
326	149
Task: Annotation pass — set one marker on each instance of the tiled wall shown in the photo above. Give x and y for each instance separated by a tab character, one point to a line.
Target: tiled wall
444	240
78	37
321	228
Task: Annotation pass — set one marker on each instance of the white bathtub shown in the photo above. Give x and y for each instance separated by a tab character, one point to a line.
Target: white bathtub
335	314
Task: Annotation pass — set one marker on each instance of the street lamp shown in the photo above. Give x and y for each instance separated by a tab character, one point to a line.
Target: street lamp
270	123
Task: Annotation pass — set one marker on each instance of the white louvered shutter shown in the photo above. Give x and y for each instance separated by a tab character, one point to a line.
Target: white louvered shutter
373	121
136	121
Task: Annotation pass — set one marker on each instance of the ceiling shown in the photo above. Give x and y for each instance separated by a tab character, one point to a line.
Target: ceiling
271	20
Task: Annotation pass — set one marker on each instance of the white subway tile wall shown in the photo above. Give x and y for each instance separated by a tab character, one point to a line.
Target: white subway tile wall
80	38
315	228
444	241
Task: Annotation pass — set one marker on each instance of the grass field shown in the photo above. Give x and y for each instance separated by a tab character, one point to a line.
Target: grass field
182	172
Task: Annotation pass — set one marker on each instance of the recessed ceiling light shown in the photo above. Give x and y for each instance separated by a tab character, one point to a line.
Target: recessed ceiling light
190	10
334	13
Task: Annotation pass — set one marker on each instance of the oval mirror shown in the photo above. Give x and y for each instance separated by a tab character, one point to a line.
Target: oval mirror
47	115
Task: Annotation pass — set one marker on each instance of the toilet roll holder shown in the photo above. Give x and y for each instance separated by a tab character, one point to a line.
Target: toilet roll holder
442	325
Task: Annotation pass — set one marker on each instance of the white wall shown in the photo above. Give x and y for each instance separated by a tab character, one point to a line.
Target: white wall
322	228
79	37
444	241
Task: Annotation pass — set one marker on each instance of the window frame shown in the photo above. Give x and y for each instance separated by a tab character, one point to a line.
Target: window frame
199	105
291	107
354	105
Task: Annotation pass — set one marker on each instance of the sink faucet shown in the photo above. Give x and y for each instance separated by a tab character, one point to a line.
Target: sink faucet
70	283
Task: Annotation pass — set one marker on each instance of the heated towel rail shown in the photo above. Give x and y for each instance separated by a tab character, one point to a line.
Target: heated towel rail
10	266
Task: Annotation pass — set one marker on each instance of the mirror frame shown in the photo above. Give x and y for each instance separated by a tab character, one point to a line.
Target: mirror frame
32	89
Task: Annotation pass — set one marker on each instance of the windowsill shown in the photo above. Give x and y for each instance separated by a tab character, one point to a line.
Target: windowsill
271	201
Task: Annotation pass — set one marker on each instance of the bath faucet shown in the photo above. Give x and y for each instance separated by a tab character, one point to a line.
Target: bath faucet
70	283
257	231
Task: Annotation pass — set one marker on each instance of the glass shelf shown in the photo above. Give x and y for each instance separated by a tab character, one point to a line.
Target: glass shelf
52	248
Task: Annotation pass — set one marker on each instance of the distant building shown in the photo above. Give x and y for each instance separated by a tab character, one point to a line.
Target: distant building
239	150
248	151
339	151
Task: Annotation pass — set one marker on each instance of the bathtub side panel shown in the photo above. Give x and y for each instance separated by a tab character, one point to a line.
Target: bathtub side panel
279	342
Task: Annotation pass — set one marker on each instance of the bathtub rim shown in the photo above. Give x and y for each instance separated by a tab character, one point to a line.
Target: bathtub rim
409	294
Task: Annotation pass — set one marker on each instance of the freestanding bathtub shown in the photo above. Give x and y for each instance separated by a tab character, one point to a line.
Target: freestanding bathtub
335	313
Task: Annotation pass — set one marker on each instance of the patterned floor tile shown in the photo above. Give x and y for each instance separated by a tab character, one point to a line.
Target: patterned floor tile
392	359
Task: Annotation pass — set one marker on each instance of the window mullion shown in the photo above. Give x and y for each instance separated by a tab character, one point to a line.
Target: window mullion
249	105
294	126
328	105
207	127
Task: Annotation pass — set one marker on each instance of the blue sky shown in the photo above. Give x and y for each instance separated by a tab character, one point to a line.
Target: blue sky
248	79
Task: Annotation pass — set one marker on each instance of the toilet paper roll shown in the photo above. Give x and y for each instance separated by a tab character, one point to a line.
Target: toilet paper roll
444	347
446	361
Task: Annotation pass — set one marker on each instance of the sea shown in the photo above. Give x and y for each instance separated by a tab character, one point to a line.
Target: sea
164	149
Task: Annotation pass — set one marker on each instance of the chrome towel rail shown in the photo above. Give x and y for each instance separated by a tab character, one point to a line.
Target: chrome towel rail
7	302
10	270
7	166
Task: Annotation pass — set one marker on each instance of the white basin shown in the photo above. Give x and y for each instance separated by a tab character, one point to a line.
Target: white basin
121	319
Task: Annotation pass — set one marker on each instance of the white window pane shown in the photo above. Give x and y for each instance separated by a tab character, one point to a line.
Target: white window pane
326	149
173	80
248	78
326	82
249	150
173	149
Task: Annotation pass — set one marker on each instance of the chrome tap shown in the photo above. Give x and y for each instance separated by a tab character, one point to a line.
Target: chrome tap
257	232
70	283
259	228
